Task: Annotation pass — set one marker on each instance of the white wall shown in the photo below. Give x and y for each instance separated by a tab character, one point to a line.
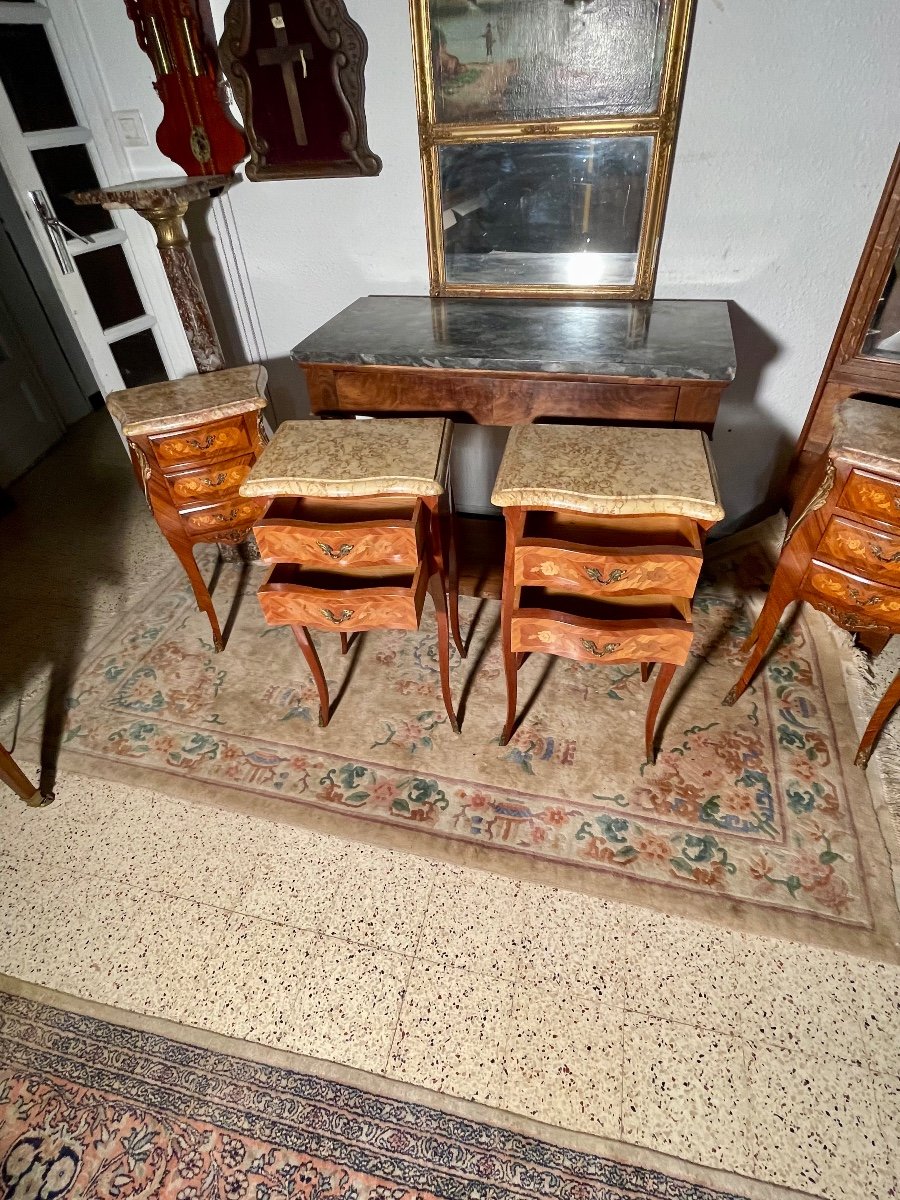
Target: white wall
790	120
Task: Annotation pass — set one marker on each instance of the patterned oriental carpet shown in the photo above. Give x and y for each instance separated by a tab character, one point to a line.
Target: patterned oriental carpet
752	816
126	1109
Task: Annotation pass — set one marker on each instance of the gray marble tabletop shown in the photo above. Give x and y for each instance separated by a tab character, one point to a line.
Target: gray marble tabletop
656	339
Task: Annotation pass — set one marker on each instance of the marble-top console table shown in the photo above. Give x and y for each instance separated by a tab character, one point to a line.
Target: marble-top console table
511	362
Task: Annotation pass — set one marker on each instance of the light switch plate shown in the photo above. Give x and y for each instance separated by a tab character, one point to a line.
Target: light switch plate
132	131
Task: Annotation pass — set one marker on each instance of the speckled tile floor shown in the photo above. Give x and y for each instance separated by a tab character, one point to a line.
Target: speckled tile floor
763	1057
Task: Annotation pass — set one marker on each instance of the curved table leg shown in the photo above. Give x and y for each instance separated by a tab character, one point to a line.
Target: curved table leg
886	706
436	587
663	679
304	641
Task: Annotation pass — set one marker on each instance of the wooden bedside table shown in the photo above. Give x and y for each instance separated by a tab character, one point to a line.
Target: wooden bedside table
841	552
604	543
359	526
192	442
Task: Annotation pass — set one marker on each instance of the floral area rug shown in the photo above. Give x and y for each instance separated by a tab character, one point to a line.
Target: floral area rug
104	1111
753	816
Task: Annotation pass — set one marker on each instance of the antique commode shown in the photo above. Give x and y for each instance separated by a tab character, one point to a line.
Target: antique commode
604	543
841	551
192	442
359	525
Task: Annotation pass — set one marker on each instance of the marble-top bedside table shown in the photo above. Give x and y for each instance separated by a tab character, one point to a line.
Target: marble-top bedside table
359	526
604	543
192	442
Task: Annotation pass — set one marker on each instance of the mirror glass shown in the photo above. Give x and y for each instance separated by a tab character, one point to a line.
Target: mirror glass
883	337
561	212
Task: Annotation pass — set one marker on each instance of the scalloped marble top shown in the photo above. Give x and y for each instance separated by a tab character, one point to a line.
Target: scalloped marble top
160	407
866	432
609	470
406	456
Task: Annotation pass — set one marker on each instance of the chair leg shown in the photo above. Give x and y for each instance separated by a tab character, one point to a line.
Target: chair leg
663	679
436	587
760	639
304	641
886	706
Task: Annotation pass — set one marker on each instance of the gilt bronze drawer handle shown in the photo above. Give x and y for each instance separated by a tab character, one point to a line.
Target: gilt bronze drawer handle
346	614
596	574
217	482
592	647
885	558
229	516
342	551
196	444
867	603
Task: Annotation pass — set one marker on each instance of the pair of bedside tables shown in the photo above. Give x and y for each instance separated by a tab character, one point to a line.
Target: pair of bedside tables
605	531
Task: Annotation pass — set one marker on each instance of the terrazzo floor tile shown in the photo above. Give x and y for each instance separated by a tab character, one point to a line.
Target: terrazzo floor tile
167	845
887	1099
801	997
685	1092
380	899
348	1003
880	1015
564	1059
452	1032
470	921
62	835
815	1124
567	938
683	970
29	912
253	976
295	876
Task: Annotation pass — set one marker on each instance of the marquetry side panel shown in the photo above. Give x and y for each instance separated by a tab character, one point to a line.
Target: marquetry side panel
863	549
554	633
607	572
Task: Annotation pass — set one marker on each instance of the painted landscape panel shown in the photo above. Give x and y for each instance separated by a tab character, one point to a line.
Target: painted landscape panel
517	60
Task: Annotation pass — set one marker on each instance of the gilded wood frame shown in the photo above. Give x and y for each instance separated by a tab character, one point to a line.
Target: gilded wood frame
661	125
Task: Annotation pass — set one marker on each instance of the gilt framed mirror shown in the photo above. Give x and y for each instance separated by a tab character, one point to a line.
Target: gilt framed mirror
547	129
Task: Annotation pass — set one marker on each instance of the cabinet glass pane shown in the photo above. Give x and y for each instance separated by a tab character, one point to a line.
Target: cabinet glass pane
29	73
138	359
883	338
511	60
560	212
65	169
107	278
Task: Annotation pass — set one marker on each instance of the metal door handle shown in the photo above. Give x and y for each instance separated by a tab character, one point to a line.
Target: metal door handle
56	231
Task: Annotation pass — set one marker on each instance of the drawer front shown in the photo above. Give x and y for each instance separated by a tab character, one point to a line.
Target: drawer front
854	603
345	611
208	442
219	517
607	572
866	551
352	545
209	483
873	496
635	641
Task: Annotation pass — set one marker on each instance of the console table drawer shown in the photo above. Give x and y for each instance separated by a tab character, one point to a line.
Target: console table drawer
347	604
609	572
870	603
867	551
872	496
209	483
207	442
550	632
317	534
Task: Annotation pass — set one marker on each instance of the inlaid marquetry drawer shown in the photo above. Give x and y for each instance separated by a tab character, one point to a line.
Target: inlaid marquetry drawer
622	640
218	517
291	595
866	551
609	572
851	601
214	482
872	496
207	442
308	532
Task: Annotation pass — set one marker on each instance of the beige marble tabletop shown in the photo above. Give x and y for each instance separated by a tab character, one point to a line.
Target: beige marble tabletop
609	470
867	433
406	456
161	407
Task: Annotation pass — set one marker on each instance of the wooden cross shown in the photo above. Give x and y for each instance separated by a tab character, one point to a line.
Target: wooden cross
284	55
